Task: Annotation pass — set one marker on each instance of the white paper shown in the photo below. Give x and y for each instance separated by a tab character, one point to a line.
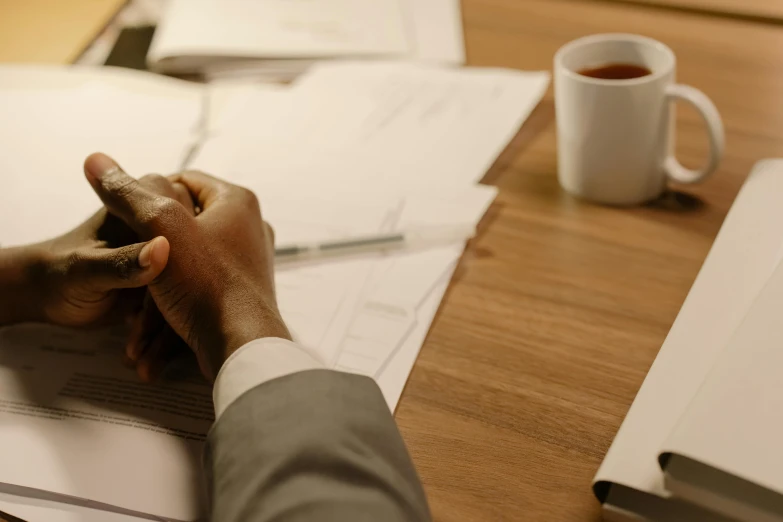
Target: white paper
370	128
731	423
74	422
373	338
394	376
278	29
436	31
276	40
404	292
318	302
51	119
736	269
35	510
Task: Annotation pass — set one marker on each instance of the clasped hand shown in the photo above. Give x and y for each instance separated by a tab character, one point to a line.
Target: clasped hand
190	252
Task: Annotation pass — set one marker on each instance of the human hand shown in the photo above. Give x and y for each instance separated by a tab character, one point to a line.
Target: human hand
83	277
76	279
217	290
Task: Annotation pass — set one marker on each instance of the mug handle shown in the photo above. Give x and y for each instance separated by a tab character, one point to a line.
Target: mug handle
709	113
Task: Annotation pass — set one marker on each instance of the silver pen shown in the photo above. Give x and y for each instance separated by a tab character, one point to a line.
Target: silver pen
418	238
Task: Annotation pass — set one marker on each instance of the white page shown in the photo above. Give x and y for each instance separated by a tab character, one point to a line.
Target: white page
75	422
370	128
395	374
414	124
373	338
227	96
732	423
51	119
318	302
391	311
398	308
409	277
436	31
34	510
737	267
277	28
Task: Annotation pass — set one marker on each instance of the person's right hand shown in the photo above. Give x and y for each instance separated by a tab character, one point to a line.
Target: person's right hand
217	290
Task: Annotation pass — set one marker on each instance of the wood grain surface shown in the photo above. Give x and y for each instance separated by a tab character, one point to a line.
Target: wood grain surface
560	306
763	9
51	31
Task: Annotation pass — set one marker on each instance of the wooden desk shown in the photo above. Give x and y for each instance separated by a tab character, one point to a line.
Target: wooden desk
560	306
51	31
770	10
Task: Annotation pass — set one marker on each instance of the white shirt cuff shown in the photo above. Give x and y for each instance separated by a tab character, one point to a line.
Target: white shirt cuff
257	362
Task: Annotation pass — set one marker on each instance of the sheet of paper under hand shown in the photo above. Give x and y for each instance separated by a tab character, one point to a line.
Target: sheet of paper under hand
78	427
35	510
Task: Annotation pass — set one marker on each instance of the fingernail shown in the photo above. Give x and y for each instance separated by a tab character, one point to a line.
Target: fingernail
98	165
145	256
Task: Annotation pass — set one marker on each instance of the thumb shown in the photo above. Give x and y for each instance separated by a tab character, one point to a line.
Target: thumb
131	266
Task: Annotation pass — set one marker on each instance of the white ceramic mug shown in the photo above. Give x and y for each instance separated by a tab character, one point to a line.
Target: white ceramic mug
614	137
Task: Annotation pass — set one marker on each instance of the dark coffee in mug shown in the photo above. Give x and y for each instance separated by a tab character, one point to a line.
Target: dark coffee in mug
616	71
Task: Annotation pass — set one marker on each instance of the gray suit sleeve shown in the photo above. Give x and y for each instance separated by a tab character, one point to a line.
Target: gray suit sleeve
317	445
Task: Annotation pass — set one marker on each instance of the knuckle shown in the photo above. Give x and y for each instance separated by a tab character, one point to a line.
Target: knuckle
248	198
73	263
158	185
153	181
162	212
121	186
122	265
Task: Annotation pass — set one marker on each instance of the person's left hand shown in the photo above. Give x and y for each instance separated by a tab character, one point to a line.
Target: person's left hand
76	279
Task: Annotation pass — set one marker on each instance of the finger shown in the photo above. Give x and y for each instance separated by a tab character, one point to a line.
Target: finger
123	195
205	189
269	237
164	348
146	326
184	197
132	266
162	186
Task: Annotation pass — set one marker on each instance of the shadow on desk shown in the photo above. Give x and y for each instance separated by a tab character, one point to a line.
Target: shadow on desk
677	201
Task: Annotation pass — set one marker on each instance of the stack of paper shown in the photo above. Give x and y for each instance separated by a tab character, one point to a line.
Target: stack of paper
278	39
351	149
